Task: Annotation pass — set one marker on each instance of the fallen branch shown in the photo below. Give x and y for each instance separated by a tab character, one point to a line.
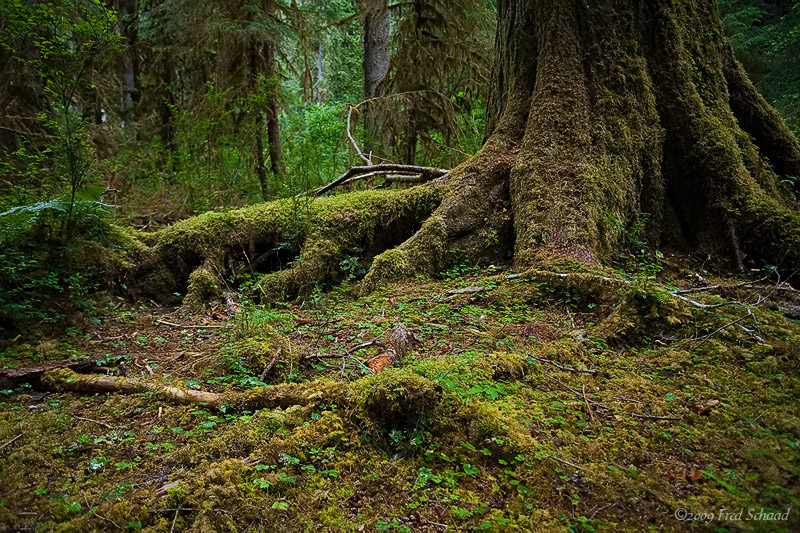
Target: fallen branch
284	395
588	406
9	442
562	461
67	380
36	370
388	175
107	426
465	290
426	174
652	417
353	141
179	326
564	368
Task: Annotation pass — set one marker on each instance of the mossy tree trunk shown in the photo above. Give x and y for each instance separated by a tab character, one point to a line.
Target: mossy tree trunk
602	110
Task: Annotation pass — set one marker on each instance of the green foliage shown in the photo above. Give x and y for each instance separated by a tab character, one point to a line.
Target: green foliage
42	262
766	38
59	43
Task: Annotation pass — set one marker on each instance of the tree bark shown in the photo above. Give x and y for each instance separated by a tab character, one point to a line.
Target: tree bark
277	164
602	111
374	18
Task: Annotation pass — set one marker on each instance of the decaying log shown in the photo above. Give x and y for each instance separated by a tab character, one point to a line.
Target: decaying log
284	395
34	371
65	379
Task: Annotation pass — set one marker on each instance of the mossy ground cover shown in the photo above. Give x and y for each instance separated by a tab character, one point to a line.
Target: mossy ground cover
487	423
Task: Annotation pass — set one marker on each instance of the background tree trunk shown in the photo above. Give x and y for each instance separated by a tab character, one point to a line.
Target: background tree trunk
374	17
600	111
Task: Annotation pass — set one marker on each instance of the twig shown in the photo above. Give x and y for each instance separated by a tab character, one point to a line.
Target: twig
389	175
174	519
97	515
589	407
603	508
554	458
729	324
564	368
624	399
465	290
426	173
573	391
92	420
651	417
353	141
9	442
723	287
269	367
179	326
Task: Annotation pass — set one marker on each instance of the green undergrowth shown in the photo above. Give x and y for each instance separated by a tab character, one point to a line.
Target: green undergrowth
526	403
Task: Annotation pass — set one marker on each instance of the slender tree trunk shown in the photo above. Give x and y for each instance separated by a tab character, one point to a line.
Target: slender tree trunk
375	63
600	111
129	66
258	150
320	74
277	164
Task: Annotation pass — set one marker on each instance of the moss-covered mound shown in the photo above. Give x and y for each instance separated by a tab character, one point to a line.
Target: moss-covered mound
540	401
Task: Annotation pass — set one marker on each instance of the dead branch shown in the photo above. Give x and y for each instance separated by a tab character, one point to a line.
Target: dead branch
388	175
465	290
103	424
564	368
425	173
68	380
284	395
651	417
353	141
179	326
9	442
34	371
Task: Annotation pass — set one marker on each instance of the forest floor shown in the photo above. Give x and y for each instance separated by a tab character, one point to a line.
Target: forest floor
554	408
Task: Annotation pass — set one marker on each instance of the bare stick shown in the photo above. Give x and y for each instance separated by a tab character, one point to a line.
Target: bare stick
174	519
729	324
651	417
179	326
269	367
97	515
589	407
603	508
573	391
723	287
9	442
353	141
92	420
426	173
564	368
554	458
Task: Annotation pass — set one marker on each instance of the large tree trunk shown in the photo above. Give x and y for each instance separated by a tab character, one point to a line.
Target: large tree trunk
600	111
603	110
374	17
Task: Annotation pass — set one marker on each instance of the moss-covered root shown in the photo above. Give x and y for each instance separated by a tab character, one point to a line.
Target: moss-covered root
472	223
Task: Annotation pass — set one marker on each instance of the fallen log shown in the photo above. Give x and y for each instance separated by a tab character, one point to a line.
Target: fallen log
34	371
65	379
284	395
